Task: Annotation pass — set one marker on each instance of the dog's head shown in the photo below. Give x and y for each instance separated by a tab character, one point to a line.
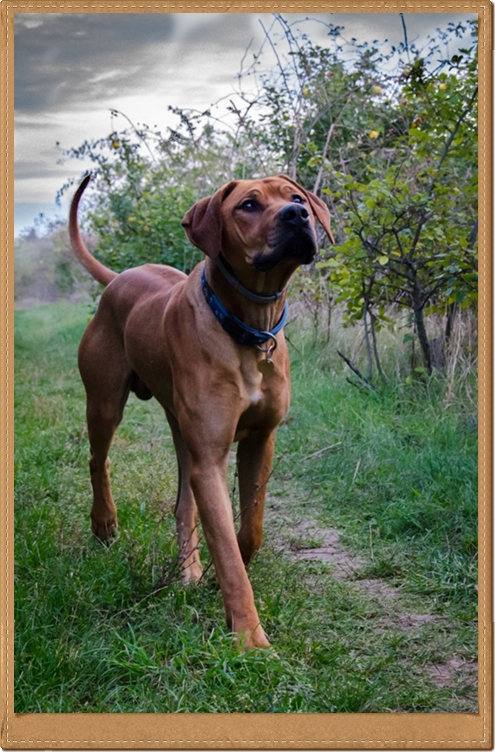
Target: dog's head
270	221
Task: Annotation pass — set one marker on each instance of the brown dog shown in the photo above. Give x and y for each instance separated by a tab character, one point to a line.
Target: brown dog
211	349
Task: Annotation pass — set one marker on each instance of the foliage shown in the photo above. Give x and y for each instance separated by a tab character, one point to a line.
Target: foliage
140	202
390	139
412	225
144	182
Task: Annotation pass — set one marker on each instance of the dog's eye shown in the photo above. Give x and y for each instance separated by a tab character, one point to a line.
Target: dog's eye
297	199
250	204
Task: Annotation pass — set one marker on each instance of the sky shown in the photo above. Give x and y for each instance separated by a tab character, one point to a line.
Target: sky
72	69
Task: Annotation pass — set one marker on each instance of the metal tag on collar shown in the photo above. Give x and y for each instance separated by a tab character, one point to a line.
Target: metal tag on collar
266	366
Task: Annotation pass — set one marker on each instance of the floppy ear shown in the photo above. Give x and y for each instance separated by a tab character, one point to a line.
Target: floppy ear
322	213
203	222
318	206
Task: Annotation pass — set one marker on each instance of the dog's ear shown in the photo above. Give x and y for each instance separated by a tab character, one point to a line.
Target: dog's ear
318	206
322	213
203	222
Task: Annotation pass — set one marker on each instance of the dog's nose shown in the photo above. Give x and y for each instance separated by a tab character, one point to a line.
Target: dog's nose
295	214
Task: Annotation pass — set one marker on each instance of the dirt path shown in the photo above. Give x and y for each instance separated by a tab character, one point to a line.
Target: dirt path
304	539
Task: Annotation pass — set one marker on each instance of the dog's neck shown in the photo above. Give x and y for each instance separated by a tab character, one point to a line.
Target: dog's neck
254	297
261	314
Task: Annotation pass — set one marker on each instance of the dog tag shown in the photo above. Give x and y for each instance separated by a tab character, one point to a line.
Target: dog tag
266	367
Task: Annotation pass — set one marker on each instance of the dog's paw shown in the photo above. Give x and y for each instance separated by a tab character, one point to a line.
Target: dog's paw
251	639
104	531
191	572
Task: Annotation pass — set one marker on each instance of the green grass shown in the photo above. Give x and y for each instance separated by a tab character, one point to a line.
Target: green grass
399	485
404	476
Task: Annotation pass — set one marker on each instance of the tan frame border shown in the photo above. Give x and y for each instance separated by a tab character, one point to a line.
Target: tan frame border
256	731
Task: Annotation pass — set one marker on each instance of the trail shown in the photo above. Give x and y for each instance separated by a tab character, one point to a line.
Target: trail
302	538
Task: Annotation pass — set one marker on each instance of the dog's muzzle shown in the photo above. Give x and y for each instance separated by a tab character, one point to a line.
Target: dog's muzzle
294	239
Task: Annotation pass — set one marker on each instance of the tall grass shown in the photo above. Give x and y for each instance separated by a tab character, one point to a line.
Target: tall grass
404	473
93	635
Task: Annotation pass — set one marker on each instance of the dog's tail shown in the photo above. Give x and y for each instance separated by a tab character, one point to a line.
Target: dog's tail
94	267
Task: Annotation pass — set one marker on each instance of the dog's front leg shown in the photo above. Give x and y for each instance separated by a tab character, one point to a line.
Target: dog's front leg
254	465
209	484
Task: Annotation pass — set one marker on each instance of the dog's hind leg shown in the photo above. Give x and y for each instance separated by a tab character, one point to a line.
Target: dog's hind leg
254	465
186	514
106	377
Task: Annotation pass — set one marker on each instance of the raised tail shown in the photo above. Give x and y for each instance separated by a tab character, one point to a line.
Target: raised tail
102	275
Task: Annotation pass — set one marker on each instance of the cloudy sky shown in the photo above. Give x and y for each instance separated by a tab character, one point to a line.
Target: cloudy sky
71	69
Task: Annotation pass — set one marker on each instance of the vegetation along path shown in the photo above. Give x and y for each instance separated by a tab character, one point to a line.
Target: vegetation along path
365	583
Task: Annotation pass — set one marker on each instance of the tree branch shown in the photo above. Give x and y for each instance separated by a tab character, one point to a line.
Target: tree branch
355	370
447	146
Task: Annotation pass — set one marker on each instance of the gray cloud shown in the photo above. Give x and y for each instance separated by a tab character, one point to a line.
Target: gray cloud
61	59
67	61
27	171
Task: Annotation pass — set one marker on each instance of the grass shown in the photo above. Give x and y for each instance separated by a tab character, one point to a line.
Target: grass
399	484
405	469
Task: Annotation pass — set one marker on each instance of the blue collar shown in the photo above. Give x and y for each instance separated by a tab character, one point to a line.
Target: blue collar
242	333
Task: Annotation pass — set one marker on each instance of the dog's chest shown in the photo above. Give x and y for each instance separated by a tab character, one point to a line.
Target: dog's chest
253	384
266	395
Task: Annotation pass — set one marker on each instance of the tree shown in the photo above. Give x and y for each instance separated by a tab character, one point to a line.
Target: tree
411	226
390	140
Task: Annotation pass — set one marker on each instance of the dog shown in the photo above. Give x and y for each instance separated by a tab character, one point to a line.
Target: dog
210	348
